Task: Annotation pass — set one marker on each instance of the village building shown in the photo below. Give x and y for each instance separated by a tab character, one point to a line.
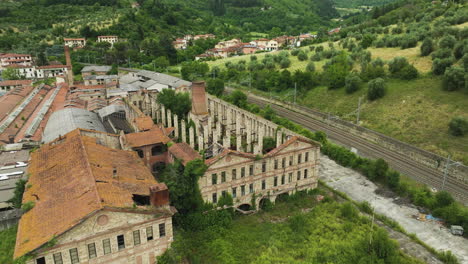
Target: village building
227	43
50	71
27	72
109	39
8	59
95	70
272	45
100	79
74	42
12	84
204	36
114	211
291	167
180	43
334	31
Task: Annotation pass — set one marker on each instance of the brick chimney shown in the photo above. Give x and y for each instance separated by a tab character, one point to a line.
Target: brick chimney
199	101
159	195
69	65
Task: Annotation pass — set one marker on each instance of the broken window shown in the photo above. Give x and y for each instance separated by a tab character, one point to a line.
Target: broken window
157	150
106	246
242	190
74	256
40	260
263	185
92	250
305	174
234	172
140	153
223	176
121	242
141	199
307	156
214	178
264	166
251	188
275	181
290	160
242	172
276	164
283	163
283	179
290	177
215	198
299	158
149	233
234	192
298	175
251	170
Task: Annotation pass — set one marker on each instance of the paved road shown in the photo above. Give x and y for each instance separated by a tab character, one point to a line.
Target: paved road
397	161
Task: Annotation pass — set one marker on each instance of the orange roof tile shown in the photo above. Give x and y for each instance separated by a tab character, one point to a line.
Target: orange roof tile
144	123
73	178
184	152
15	82
145	138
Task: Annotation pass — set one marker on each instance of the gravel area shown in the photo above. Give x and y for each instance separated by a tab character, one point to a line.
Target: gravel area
358	188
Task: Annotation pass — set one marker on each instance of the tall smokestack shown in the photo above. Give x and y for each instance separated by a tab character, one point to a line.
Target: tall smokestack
199	101
69	65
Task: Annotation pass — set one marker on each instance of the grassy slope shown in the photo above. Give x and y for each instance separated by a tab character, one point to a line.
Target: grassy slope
416	112
7	244
287	234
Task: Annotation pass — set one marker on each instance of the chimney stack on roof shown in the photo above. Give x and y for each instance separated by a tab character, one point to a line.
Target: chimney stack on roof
69	65
159	195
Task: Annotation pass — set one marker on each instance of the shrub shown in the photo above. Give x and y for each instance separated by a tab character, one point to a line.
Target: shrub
454	79
348	211
27	206
319	49
440	65
310	67
408	72
376	89
465	62
366	207
352	83
408	41
447	42
215	86
316	57
312	48
397	64
295	52
393	179
427	47
302	56
458	126
285	63
441	54
460	49
253	58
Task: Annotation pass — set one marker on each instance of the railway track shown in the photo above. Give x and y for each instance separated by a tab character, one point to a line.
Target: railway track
397	161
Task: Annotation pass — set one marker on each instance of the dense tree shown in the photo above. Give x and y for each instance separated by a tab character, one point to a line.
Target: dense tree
376	89
215	86
238	98
447	42
10	74
193	70
17	199
440	65
352	83
458	126
310	67
454	79
179	103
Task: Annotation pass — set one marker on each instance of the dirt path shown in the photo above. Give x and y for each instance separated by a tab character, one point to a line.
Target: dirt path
358	188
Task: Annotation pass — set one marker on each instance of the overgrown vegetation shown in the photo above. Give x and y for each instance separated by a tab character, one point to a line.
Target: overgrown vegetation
179	103
7	244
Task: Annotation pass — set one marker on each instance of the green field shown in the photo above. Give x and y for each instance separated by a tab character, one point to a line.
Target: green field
296	231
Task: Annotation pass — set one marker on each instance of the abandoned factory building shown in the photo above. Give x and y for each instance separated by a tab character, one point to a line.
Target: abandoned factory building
92	204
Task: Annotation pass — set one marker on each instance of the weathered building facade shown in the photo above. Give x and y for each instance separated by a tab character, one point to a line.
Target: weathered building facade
248	178
92	204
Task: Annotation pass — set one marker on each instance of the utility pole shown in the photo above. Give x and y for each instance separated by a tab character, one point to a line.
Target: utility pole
295	92
358	111
448	164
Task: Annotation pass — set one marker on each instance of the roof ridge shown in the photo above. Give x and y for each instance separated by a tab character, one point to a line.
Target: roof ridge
88	166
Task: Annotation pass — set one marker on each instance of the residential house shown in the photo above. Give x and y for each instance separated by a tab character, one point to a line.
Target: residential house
272	45
180	43
334	31
95	70
75	42
9	59
109	39
100	79
92	204
227	43
8	85
50	71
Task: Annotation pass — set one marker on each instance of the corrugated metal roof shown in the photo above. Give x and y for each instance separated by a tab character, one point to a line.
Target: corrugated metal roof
69	119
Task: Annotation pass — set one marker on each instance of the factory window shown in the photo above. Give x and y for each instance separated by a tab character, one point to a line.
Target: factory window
149	233
290	160
140	153
276	164
307	156
298	175
299	158
106	246
162	230
58	258
215	198
234	192
74	256
214	178
275	181
40	260
242	190
290	177
223	176
283	163
121	242
242	172
136	237
92	250
283	179
305	173
264	166
234	172
263	185
251	170
251	188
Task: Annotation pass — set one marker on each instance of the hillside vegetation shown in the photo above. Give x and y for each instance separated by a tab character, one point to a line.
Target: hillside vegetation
419	60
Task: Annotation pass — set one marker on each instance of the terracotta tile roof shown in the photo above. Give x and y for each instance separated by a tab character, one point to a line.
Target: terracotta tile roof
18	66
15	82
144	123
73	178
53	66
12	98
289	142
145	138
199	106
7	55
184	152
229	152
